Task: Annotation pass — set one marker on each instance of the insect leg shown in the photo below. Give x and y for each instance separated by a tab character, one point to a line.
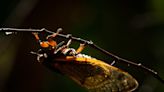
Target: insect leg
55	34
69	36
36	36
60	44
43	44
60	48
39	55
51	42
81	47
64	46
113	62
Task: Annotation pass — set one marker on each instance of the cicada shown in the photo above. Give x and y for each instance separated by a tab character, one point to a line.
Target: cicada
93	74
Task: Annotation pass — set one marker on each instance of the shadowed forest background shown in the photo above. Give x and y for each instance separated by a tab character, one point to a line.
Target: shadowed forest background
132	29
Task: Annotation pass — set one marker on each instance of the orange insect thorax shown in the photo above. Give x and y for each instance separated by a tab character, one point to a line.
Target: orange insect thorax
46	44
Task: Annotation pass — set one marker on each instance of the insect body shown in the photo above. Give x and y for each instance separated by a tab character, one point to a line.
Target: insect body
93	74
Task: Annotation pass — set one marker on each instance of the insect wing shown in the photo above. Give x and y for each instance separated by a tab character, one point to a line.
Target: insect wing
95	75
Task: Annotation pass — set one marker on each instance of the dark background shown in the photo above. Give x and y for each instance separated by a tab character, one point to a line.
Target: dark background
132	29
